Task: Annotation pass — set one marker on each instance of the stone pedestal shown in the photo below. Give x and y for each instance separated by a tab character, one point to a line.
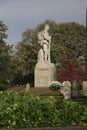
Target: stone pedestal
45	73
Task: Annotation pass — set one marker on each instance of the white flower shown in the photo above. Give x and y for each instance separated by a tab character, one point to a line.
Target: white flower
56	82
55	85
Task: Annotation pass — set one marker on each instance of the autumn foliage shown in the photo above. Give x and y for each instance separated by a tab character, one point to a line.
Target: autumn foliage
68	69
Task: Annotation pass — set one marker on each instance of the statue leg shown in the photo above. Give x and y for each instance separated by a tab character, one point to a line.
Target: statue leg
46	57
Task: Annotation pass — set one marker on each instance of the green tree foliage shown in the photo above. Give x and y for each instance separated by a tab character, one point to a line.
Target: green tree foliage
3	29
69	37
66	37
25	56
4	54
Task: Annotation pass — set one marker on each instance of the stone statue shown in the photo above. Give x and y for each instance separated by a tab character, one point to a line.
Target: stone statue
40	55
44	39
45	71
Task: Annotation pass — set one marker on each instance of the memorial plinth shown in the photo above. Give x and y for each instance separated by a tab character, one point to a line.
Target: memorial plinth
45	73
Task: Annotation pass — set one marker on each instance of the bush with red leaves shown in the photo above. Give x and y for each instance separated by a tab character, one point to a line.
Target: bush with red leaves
69	69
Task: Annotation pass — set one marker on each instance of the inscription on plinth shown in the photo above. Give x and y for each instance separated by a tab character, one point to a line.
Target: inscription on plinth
44	75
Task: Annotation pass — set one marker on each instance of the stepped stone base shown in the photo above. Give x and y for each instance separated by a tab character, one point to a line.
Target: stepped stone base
45	73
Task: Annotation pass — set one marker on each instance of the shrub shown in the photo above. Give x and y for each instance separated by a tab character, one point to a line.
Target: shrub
21	110
69	69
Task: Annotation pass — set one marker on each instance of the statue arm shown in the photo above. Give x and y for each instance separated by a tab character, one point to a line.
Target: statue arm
46	36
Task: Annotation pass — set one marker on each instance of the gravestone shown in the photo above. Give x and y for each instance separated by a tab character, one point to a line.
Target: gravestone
84	88
27	87
75	89
66	90
45	71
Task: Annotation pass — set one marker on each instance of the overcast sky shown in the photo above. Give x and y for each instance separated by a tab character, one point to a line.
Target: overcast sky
20	15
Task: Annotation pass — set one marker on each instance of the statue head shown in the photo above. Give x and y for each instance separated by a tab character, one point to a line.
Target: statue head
46	26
